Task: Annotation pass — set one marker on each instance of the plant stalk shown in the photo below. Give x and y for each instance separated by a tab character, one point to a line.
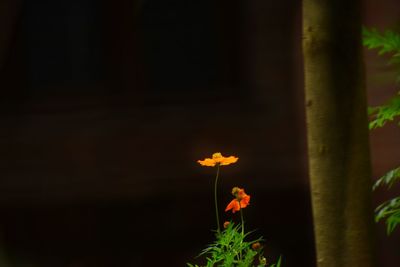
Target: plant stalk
241	218
215	199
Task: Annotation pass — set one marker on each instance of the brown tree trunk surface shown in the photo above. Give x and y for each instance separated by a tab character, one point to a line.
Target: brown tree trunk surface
338	146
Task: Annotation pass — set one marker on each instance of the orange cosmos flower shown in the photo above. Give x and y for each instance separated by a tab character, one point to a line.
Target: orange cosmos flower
218	159
241	200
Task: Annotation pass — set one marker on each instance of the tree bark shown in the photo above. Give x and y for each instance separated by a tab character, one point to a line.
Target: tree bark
337	133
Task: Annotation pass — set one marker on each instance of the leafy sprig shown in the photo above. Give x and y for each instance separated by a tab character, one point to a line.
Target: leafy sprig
387	42
390	211
389	179
380	115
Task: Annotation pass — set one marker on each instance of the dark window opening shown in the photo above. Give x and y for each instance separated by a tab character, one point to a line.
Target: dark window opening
63	42
180	44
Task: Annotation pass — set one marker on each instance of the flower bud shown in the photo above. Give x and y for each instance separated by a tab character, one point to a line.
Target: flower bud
235	191
256	246
226	224
263	261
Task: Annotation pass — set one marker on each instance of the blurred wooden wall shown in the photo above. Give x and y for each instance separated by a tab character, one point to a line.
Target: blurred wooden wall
107	106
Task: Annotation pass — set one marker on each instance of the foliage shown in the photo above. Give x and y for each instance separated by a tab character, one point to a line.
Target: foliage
388	179
386	42
390	211
231	249
379	115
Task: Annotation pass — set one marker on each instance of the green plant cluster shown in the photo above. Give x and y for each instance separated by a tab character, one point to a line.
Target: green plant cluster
386	42
230	249
389	210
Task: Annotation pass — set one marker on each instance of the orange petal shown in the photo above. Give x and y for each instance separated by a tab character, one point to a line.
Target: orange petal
233	205
207	162
245	201
229	160
241	193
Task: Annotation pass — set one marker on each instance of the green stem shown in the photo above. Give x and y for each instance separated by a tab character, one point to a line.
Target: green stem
241	217
215	199
242	224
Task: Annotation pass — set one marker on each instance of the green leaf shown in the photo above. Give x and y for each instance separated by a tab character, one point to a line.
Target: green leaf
278	263
379	115
388	179
386	42
389	211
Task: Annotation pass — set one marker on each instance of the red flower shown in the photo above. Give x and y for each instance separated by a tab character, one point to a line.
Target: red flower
241	200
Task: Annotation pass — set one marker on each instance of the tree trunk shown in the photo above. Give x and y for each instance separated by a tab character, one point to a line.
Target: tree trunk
338	145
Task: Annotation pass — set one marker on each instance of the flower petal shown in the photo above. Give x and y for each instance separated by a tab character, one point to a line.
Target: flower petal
228	160
233	205
207	162
245	201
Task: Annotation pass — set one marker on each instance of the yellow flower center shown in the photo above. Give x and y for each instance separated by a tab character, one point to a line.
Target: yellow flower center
235	191
217	157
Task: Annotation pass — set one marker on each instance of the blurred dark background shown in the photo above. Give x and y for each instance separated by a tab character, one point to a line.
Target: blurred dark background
107	105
